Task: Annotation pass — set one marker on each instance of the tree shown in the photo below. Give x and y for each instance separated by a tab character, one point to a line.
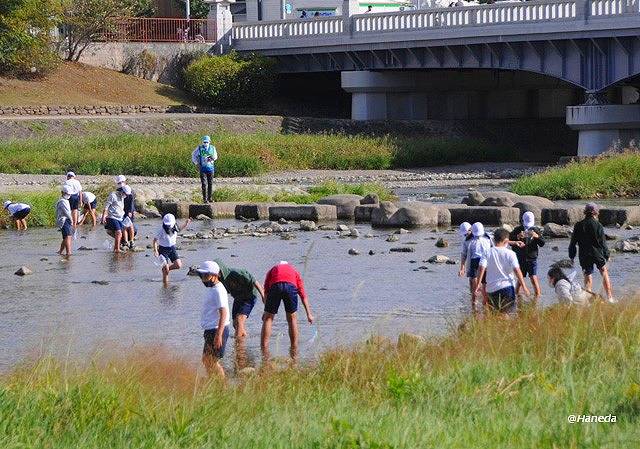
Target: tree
85	21
26	39
199	9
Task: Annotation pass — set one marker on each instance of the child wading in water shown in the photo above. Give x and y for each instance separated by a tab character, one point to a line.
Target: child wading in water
64	220
214	319
527	251
18	212
90	204
164	244
567	292
475	247
500	264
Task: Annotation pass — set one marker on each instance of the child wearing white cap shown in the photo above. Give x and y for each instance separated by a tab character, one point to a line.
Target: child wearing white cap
113	215
214	319
90	204
525	240
164	244
75	197
478	245
64	220
18	212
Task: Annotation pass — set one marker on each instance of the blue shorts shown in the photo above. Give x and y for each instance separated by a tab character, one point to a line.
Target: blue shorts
503	300
22	213
529	268
66	229
242	307
169	253
587	265
209	337
282	292
74	201
93	204
473	268
113	225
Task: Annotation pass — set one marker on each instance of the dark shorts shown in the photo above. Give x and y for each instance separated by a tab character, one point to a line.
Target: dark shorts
503	300
22	213
113	225
169	253
242	307
473	268
74	201
587	265
93	204
282	292
66	229
529	268
209	337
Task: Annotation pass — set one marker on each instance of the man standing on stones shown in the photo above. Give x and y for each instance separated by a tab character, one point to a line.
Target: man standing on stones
204	157
283	284
588	235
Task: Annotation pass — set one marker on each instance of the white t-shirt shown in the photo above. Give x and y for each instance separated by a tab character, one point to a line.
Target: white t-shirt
14	208
115	206
215	299
75	186
478	247
167	240
88	197
500	263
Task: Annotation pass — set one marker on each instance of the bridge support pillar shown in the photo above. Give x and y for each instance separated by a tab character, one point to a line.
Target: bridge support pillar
604	126
384	96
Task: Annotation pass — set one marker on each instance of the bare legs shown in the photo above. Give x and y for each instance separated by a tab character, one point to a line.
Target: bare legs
65	246
167	268
606	282
212	365
238	325
21	224
292	321
267	324
118	238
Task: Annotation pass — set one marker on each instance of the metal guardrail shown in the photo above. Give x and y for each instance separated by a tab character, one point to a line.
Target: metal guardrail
143	29
477	15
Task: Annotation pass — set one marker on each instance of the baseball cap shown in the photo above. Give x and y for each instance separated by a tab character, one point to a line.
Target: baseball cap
6	204
477	229
120	179
528	219
126	190
169	220
66	189
71	174
464	228
591	208
208	267
206	139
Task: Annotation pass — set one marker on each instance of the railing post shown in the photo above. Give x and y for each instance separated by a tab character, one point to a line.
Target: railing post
583	10
220	15
349	8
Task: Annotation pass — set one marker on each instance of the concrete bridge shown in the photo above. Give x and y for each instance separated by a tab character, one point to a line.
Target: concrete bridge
579	57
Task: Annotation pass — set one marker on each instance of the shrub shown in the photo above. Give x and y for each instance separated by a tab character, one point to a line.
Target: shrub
231	81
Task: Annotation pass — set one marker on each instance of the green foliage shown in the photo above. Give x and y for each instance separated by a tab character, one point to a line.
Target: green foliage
26	48
199	9
231	81
612	175
493	383
42	207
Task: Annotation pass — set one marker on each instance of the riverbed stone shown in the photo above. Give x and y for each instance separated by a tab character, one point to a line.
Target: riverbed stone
438	259
442	243
312	212
413	214
488	215
473	198
402	249
444	217
353	252
178	209
562	215
627	246
557	231
500	201
362	213
620	216
370	199
345	204
23	271
308	225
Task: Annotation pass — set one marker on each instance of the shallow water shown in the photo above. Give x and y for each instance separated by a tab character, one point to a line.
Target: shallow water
59	311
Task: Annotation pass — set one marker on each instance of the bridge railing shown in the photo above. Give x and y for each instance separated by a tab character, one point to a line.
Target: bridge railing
434	18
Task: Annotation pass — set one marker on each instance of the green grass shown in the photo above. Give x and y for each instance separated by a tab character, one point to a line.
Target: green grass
313	194
495	384
240	154
607	176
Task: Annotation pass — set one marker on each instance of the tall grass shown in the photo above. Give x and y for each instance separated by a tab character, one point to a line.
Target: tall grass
42	204
240	155
606	176
493	384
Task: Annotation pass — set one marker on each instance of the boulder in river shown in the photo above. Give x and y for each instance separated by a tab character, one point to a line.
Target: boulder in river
345	204
499	201
308	225
353	252
402	249
405	215
442	243
438	259
627	246
473	198
23	271
370	199
557	231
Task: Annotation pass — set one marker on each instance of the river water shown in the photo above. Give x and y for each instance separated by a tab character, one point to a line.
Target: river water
60	311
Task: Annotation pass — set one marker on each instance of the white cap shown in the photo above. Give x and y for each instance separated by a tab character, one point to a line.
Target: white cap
66	189
528	219
477	229
6	204
208	267
127	190
283	262
464	228
169	220
120	179
71	174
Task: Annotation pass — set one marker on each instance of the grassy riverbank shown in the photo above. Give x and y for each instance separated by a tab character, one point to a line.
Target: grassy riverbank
240	155
607	176
499	383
